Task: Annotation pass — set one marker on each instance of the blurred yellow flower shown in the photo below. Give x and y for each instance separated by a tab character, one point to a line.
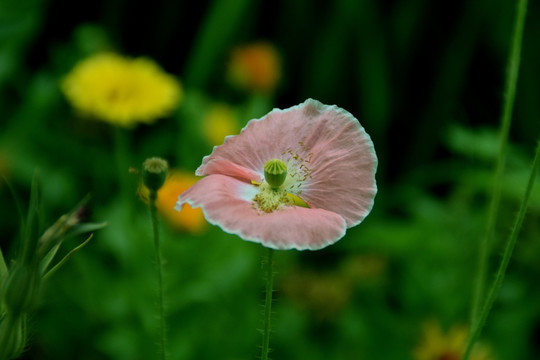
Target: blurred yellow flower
121	90
255	67
189	219
219	122
436	345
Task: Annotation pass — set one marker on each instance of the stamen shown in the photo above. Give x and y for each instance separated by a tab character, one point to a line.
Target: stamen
283	181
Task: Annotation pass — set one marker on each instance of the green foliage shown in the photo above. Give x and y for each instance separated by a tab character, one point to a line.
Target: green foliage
426	87
20	283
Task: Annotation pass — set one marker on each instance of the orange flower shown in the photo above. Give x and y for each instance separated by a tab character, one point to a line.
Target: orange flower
255	67
189	219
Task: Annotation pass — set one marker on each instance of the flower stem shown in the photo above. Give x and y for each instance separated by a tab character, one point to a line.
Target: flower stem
121	148
268	304
159	264
499	277
506	119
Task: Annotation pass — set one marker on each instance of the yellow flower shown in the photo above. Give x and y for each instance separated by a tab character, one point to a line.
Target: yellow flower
436	345
255	67
120	90
219	122
189	219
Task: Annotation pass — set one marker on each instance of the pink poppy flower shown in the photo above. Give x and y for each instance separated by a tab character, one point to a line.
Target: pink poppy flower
296	178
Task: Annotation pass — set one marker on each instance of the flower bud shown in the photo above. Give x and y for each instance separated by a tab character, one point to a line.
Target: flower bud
21	289
154	173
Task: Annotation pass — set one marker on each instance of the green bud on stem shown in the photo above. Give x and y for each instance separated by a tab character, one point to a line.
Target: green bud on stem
154	173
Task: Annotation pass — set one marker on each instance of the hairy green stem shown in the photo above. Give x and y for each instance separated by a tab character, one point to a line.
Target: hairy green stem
509	248
506	119
159	264
12	336
268	305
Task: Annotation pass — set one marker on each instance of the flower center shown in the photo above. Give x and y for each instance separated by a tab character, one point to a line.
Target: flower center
281	187
271	192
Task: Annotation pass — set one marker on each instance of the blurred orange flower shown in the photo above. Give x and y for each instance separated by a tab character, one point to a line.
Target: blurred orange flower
189	219
436	345
255	67
120	90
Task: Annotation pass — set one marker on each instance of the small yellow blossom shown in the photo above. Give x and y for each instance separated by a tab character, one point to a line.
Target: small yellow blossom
189	219
436	345
120	90
255	67
219	122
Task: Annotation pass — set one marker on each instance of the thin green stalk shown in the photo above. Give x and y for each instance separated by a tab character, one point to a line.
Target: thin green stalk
216	35
159	264
121	149
499	277
268	305
506	119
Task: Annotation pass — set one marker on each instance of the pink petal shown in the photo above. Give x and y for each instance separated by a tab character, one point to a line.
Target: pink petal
226	202
226	167
343	160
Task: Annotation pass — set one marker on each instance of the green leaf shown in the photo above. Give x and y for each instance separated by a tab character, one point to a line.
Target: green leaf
29	240
18	204
85	228
66	258
3	276
79	229
48	258
3	267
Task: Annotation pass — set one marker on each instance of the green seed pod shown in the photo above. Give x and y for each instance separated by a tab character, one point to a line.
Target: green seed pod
154	173
275	172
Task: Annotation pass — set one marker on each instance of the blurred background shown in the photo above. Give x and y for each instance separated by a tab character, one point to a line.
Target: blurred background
424	78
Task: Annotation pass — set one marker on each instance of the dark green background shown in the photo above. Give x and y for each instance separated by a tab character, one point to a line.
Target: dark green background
424	78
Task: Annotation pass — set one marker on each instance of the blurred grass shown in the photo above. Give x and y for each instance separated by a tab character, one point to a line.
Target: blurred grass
424	79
